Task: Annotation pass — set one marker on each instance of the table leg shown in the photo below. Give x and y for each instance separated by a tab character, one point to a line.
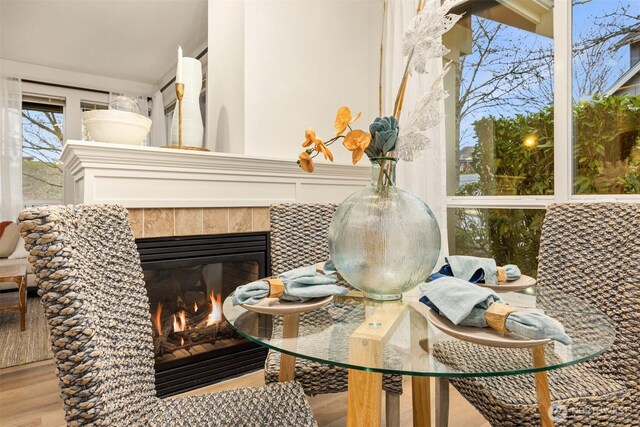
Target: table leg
287	362
392	409
442	402
420	386
542	387
364	399
22	289
366	345
421	400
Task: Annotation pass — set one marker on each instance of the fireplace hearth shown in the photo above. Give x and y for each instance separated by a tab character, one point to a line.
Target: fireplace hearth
187	278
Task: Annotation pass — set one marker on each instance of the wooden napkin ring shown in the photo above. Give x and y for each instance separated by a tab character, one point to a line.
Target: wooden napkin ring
276	287
496	316
502	274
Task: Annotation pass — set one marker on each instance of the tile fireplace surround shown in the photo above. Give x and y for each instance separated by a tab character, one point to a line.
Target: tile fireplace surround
165	222
181	192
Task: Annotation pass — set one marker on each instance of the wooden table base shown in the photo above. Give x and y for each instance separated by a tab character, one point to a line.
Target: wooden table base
364	399
366	344
421	400
288	362
442	402
542	387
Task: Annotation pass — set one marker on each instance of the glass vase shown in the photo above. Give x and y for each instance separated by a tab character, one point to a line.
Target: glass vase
383	240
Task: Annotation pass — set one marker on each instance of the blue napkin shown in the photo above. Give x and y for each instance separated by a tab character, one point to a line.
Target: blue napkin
463	303
475	269
300	284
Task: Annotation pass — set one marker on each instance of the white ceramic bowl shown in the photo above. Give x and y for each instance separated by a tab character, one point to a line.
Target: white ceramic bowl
119	127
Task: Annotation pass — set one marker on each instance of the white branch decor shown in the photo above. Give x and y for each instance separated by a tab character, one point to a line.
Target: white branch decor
412	140
422	40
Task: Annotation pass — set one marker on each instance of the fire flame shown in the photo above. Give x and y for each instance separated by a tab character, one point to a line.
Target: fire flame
180	319
181	341
156	319
180	322
216	309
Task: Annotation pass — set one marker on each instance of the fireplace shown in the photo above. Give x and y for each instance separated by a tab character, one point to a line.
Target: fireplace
187	279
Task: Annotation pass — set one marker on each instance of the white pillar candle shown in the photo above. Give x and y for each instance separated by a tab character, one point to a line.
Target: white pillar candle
179	69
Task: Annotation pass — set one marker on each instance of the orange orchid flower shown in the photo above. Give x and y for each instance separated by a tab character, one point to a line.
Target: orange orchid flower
310	138
325	151
306	162
357	142
344	119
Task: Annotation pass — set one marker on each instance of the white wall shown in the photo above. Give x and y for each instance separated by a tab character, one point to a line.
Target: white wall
225	76
289	65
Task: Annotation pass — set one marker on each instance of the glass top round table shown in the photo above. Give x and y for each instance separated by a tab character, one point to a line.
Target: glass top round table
409	345
371	338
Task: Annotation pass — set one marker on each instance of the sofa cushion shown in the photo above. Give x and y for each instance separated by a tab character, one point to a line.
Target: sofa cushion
9	240
19	251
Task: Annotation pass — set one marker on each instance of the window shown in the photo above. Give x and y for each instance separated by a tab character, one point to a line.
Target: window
547	109
606	101
510	236
42	142
51	114
503	112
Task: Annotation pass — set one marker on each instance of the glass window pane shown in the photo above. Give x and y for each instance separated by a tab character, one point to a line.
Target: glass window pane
42	141
510	236
503	139
606	97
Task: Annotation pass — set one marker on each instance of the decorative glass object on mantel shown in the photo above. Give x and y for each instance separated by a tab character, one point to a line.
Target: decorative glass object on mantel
383	240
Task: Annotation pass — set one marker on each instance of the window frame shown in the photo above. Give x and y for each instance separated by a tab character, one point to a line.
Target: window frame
563	131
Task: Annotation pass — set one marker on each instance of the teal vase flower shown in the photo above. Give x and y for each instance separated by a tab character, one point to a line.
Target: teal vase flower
384	134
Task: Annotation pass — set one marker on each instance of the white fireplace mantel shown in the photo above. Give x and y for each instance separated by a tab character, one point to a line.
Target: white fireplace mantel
149	177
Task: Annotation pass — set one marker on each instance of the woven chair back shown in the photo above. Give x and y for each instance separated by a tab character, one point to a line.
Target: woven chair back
299	235
89	276
592	251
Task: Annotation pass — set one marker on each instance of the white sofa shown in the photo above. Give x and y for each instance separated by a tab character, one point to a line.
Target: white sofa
11	255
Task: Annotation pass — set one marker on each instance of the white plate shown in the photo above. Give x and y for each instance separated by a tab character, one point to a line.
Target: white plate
274	306
519	284
482	336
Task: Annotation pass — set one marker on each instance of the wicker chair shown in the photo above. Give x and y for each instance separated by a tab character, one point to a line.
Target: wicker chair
91	284
591	251
298	238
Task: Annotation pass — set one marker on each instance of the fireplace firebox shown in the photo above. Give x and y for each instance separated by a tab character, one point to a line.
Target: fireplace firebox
187	278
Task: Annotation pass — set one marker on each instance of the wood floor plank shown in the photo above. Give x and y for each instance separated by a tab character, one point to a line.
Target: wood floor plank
29	397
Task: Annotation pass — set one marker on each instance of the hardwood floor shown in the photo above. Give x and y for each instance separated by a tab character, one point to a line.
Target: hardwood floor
29	398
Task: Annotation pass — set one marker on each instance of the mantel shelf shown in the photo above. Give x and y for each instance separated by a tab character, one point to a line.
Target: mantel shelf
150	177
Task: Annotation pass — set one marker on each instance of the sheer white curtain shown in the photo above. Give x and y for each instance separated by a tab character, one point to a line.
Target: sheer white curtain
425	175
11	149
158	135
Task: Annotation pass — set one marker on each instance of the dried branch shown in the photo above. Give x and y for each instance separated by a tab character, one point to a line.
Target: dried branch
382	38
